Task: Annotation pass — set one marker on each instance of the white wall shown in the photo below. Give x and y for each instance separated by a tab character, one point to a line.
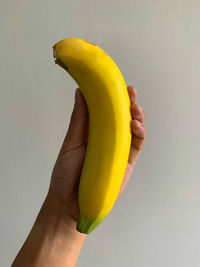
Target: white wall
156	45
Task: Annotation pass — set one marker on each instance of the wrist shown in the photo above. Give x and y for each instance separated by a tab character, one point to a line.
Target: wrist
63	240
53	240
55	210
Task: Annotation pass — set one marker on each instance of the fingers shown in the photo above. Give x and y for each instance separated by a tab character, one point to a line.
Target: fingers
137	142
137	113
137	126
138	129
132	94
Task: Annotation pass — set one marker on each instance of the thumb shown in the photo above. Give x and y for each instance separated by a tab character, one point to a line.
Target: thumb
77	131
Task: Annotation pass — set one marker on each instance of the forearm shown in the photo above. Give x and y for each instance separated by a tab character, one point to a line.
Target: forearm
53	240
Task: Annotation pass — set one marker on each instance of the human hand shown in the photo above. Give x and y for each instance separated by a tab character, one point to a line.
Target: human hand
67	170
138	136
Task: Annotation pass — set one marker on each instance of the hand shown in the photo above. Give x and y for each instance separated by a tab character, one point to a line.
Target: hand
67	170
138	136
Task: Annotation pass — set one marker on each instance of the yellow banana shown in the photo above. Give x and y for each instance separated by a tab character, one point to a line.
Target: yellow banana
106	95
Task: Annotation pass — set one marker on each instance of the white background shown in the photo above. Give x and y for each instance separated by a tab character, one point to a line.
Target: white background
156	45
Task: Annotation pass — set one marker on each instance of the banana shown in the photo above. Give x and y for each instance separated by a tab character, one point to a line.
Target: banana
106	95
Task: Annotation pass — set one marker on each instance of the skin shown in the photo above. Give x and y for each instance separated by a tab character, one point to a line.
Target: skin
54	240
